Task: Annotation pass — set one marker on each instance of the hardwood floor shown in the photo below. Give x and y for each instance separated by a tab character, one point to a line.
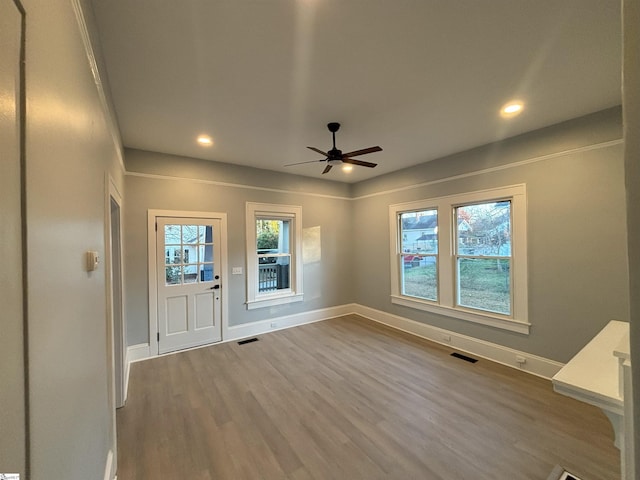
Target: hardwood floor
350	399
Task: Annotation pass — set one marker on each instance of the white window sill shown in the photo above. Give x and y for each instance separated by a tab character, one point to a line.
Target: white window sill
274	300
481	318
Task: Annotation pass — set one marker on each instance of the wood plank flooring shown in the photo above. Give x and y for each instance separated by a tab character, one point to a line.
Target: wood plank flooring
350	399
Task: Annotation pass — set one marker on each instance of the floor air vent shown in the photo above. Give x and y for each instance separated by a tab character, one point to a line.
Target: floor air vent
248	340
464	357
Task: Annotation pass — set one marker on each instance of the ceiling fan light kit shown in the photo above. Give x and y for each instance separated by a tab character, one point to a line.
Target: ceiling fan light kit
336	157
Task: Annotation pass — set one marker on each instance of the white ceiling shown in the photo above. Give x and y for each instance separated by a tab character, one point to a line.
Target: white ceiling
420	78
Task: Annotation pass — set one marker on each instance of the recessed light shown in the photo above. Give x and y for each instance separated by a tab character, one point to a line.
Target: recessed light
347	168
511	109
205	140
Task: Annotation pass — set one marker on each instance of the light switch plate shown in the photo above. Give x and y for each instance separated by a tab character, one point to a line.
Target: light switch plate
236	271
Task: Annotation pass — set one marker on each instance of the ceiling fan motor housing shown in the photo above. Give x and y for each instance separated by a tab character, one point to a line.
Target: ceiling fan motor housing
333	127
334	154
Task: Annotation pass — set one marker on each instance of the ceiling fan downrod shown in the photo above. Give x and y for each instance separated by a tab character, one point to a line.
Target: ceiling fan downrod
334	153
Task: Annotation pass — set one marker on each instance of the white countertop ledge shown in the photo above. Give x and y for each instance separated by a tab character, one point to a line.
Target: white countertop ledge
592	376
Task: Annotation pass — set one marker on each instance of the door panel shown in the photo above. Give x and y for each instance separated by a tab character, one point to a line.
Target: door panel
176	317
204	310
188	283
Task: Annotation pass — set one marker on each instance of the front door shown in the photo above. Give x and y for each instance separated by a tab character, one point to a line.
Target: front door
188	281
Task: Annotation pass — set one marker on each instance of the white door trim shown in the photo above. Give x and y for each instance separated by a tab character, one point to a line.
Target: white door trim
117	319
152	215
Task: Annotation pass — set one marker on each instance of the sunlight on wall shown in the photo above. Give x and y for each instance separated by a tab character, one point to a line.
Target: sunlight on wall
311	245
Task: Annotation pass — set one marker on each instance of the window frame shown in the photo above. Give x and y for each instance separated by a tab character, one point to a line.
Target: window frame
401	254
292	214
447	290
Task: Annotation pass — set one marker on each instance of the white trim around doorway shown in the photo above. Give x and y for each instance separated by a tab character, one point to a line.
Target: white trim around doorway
152	215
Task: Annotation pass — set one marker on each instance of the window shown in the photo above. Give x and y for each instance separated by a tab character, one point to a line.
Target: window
274	243
419	254
463	256
184	243
273	240
483	256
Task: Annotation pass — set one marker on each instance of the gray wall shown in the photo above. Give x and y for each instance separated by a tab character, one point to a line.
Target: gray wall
69	149
631	102
325	205
576	231
12	361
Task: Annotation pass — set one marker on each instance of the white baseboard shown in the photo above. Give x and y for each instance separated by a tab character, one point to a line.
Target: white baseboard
109	474
127	369
237	332
540	366
135	353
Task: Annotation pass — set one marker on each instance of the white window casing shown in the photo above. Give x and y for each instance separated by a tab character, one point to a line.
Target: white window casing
291	216
446	305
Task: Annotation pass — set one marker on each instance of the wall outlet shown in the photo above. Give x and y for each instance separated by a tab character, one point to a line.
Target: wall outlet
520	359
446	338
274	324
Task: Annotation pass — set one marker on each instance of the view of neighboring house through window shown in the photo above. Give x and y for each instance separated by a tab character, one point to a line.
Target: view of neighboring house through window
274	258
483	256
463	256
188	254
419	253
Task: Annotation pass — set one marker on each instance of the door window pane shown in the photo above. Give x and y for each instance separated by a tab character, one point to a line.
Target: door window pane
206	272
188	254
205	253
190	234
173	275
172	234
190	274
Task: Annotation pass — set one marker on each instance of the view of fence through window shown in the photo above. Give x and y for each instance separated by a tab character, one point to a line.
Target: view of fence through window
188	254
419	250
274	254
483	256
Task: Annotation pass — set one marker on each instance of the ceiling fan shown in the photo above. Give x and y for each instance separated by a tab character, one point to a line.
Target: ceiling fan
335	156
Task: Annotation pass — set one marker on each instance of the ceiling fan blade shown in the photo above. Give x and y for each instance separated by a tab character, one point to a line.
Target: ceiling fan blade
301	163
362	152
326	169
319	151
359	162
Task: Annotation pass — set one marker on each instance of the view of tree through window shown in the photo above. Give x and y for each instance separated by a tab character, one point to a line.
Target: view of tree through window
274	256
188	254
483	256
463	256
267	233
